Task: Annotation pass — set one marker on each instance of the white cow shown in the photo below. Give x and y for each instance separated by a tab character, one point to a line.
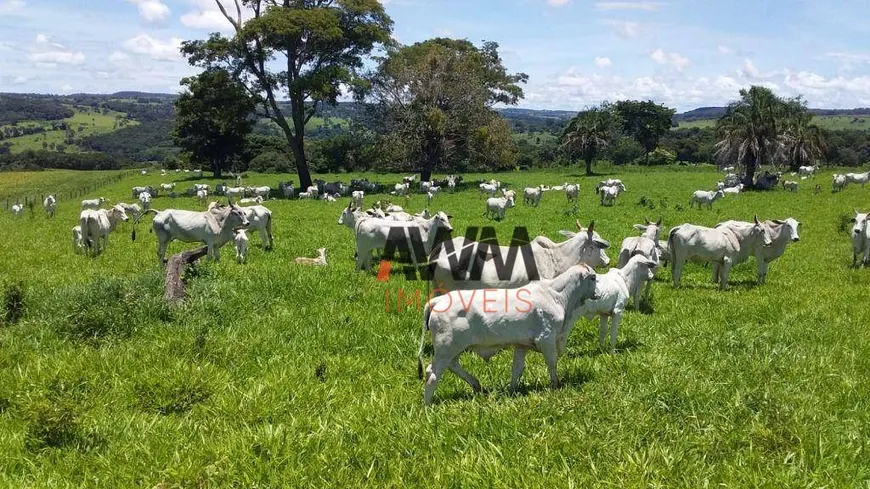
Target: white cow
313	191
401	188
356	197
726	244
705	197
262	192
145	200
50	205
425	186
234	192
202	195
373	234
133	209
78	240
97	224
451	183
92	203
807	171
289	190
201	186
790	185
306	195
429	197
241	241
861	178
610	182
495	207
254	200
609	194
532	196
572	192
861	239
167	186
782	232
613	290
17	209
731	180
508	194
538	317
733	190
258	218
634	245
456	262
839	182
487	188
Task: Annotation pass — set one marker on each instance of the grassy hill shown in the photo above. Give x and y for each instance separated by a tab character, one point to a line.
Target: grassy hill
85	121
829	122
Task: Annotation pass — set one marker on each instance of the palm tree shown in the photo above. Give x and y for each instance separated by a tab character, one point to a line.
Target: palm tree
749	131
588	133
802	142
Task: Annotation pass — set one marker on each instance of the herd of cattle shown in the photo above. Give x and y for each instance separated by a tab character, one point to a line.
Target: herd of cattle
531	307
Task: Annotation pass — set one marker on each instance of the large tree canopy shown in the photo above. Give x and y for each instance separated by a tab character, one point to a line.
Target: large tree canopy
645	122
212	118
589	132
437	97
304	50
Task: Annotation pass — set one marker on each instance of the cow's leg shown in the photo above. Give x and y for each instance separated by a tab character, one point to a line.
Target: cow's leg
762	270
548	349
463	374
433	374
602	331
269	232
723	273
614	329
517	367
677	271
716	272
161	248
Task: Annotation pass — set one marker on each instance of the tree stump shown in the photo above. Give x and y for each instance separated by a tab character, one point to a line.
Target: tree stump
174	268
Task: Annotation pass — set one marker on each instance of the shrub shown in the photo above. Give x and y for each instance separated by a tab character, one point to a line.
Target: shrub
13	305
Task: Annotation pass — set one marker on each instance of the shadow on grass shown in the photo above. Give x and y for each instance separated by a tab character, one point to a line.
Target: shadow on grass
572	380
621	346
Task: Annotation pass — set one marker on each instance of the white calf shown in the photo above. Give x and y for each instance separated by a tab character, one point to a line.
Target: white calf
17	209
495	207
790	185
839	182
241	241
50	205
202	195
861	239
532	196
572	192
705	197
92	203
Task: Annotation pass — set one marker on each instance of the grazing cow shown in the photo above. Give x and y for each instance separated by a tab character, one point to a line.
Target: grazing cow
306	195
538	317
609	194
213	228
92	203
234	192
839	182
133	209
861	239
572	192
356	197
861	178
613	290
145	200
532	196
456	262
807	171
241	241
705	197
97	224
263	191
254	200
260	218
373	234
726	244
17	209
138	190
319	261
634	245
733	190
487	188
202	195
167	186
790	185
50	205
495	207
202	186
78	240
401	188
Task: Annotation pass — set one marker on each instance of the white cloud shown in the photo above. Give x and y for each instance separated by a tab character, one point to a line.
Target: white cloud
443	32
20	80
850	57
558	3
647	6
66	88
725	49
154	48
602	62
12	7
624	28
152	11
206	19
676	60
118	57
51	58
749	69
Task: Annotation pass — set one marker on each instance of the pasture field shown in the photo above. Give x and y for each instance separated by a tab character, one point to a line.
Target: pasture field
85	122
278	375
829	122
64	184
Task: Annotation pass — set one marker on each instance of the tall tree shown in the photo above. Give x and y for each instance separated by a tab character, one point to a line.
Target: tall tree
750	132
304	50
212	118
646	122
802	142
438	96
588	133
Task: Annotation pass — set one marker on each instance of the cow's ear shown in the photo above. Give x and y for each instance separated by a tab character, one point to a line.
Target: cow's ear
646	220
659	222
579	226
591	228
756	219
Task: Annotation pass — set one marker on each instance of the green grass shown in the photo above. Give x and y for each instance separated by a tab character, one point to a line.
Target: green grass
278	375
64	184
830	122
85	122
534	137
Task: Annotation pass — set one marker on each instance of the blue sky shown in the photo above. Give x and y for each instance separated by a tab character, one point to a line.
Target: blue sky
577	53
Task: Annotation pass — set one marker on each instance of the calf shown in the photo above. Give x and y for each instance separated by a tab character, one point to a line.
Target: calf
78	240
861	239
202	195
705	197
92	203
145	200
538	317
241	241
572	192
495	207
50	205
319	261
790	185
839	182
17	209
97	224
532	196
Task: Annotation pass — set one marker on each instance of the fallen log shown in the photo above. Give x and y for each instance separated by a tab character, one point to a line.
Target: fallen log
174	268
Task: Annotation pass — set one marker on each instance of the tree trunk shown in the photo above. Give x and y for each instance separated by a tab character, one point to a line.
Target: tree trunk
174	284
588	167
217	169
302	166
646	159
749	175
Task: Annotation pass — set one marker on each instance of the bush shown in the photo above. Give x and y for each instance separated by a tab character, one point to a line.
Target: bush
661	156
54	423
13	306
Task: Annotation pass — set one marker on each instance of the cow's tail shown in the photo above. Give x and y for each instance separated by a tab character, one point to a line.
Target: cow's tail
136	221
427	311
671	248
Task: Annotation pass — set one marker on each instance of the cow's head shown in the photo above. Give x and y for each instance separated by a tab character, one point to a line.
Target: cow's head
588	281
237	217
760	231
441	221
119	212
791	227
592	248
860	223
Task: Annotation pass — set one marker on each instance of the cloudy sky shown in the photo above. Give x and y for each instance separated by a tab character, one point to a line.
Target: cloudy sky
684	53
